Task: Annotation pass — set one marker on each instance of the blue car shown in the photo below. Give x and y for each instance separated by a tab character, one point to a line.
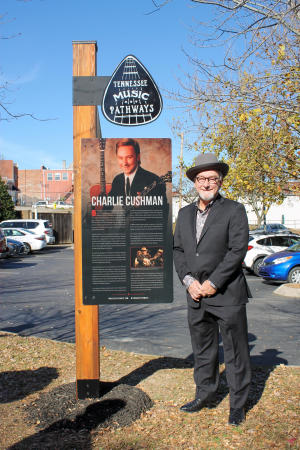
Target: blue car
16	248
282	266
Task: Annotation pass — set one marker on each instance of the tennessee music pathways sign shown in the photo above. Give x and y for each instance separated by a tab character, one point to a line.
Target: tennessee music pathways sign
131	97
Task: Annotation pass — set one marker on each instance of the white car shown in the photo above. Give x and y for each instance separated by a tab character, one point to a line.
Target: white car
31	241
61	204
264	245
41	204
38	226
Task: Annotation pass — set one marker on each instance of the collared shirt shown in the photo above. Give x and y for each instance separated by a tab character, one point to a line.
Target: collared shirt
201	218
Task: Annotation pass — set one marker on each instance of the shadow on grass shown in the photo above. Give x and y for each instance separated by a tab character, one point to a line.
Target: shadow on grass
262	365
71	434
77	419
74	431
15	385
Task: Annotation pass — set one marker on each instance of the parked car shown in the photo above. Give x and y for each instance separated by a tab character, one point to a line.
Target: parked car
12	249
57	204
282	266
31	241
3	245
60	204
16	248
41	203
38	226
264	245
271	228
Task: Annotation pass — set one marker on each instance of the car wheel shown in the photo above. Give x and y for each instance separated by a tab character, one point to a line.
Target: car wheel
257	265
294	275
27	248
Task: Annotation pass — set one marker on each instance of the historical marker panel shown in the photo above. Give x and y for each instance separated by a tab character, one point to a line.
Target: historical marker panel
127	235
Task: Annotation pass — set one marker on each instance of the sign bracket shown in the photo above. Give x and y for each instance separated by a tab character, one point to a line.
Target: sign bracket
89	90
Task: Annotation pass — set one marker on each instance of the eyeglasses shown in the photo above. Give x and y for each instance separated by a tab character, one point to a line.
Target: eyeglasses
211	180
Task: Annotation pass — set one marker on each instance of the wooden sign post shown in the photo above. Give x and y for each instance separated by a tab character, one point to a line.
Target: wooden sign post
86	316
89	90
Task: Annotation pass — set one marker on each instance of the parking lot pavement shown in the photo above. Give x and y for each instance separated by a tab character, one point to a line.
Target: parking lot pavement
273	324
40	302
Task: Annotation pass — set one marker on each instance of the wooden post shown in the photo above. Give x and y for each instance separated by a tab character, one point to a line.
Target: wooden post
181	166
86	317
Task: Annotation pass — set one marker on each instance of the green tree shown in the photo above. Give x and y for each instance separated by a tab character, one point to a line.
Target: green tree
261	153
245	104
7	209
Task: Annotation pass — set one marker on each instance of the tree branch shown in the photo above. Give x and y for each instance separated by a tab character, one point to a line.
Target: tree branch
18	116
258	8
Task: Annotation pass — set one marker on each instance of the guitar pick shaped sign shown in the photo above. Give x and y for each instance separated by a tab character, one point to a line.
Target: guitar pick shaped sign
131	97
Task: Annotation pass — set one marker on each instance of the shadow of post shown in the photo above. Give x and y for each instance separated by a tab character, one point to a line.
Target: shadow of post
76	433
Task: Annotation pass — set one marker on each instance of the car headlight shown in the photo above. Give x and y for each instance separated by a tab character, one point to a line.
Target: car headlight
281	260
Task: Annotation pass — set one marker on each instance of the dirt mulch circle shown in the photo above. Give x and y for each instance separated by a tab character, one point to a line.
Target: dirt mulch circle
66	423
59	409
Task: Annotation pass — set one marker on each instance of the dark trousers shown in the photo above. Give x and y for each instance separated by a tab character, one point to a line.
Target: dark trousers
205	324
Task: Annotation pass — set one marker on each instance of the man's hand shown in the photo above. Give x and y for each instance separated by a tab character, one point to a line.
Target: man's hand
195	290
206	289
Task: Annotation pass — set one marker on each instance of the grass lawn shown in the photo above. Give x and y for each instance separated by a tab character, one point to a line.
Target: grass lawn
33	370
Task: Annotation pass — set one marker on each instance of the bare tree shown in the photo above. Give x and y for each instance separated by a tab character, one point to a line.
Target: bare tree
246	104
6	111
259	67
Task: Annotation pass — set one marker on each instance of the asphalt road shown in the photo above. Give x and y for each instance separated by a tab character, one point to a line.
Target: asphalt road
37	299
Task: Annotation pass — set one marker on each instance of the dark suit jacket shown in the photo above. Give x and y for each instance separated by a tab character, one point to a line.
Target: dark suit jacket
143	178
219	254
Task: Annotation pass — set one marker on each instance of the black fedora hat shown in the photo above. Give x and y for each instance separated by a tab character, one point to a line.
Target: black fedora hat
207	161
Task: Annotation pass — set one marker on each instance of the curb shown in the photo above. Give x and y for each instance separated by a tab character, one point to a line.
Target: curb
288	290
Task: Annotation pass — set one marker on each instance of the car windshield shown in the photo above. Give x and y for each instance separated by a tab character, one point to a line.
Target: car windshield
294	248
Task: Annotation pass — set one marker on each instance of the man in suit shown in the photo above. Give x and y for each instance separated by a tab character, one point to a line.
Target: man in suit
134	179
210	242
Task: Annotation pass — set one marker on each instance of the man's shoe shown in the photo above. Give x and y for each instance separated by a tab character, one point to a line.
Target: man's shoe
236	416
193	406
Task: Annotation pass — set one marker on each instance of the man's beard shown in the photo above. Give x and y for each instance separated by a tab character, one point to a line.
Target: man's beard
207	196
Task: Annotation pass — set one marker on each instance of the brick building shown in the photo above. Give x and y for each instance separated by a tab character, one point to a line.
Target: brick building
45	184
9	174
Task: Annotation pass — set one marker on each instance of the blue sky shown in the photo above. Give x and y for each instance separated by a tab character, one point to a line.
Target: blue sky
37	61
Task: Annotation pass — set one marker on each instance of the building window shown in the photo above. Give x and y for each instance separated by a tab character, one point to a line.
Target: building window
49	176
65	175
57	177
